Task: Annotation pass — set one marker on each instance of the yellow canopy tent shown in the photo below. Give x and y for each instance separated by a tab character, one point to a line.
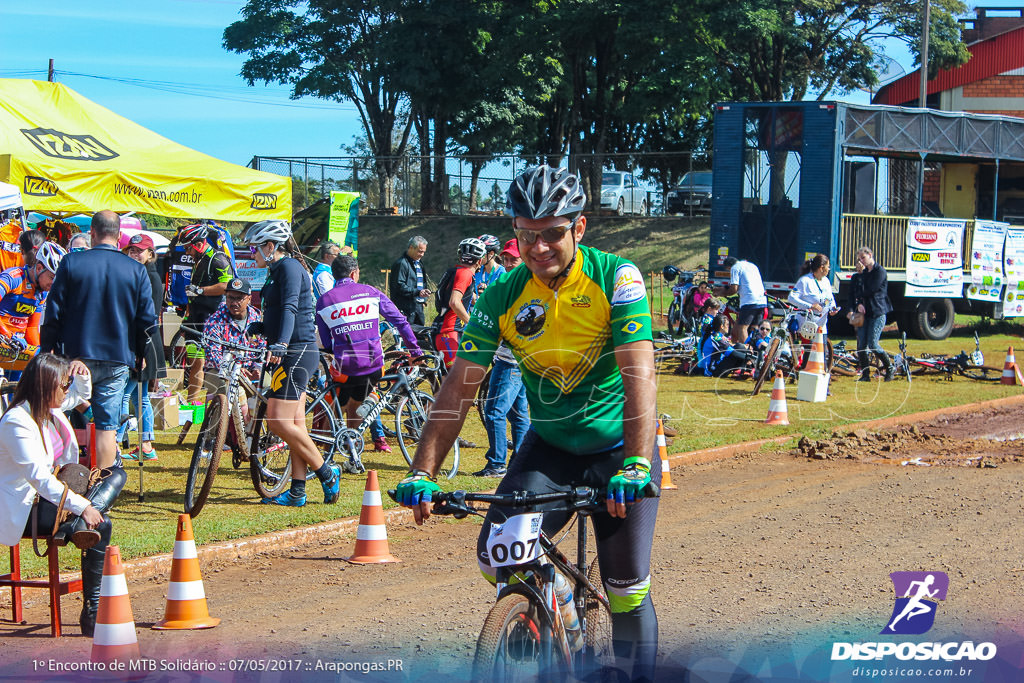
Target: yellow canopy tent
68	154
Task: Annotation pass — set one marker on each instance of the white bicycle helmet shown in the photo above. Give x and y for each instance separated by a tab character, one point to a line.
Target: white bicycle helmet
491	243
49	255
544	191
471	250
276	231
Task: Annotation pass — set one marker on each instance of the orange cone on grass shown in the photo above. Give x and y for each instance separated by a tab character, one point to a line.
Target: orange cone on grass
778	414
114	637
372	535
186	597
1009	376
816	360
666	475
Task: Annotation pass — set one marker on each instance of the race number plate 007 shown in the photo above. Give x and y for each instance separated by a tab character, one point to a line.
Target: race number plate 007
517	541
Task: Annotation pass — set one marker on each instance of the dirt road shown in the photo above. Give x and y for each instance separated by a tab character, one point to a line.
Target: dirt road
760	564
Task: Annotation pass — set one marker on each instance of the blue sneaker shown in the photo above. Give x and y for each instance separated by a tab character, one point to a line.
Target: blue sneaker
287	499
332	487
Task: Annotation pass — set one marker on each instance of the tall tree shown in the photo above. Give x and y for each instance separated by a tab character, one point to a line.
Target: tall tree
329	49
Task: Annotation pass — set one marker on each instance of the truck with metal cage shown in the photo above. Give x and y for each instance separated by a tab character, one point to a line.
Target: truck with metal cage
792	179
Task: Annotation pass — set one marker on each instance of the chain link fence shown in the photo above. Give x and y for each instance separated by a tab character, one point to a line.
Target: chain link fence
465	185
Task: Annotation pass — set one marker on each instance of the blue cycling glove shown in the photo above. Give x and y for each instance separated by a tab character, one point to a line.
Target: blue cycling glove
627	485
416	487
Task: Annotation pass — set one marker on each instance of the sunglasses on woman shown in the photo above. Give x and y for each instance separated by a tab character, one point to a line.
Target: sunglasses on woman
66	384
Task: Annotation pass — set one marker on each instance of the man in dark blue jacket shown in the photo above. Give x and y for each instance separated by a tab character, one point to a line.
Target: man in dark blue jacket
99	312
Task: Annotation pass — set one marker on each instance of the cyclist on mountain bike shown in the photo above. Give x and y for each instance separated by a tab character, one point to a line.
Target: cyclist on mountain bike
210	276
23	299
578	324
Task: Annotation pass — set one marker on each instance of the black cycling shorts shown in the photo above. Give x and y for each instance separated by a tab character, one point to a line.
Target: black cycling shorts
623	545
290	379
747	315
358	387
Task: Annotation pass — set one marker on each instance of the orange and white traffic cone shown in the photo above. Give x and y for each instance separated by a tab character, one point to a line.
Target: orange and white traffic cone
816	361
372	535
114	637
778	414
186	598
666	475
1009	376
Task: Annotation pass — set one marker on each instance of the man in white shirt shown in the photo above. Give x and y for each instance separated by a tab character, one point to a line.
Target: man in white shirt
745	278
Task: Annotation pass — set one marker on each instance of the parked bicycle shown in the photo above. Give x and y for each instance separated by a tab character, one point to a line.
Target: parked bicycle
527	634
681	316
411	407
971	366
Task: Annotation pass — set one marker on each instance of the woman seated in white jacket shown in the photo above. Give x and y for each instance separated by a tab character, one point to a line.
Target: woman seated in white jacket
35	436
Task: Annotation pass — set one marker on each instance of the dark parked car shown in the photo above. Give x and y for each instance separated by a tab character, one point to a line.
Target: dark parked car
693	193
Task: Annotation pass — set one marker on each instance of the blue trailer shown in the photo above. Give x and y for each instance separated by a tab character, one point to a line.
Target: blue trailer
792	179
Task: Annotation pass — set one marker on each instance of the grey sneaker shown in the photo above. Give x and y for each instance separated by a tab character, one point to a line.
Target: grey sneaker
489	471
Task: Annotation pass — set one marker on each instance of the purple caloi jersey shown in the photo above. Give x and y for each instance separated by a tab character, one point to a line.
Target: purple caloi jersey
348	322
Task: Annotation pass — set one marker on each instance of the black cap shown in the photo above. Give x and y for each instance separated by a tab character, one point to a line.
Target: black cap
239	286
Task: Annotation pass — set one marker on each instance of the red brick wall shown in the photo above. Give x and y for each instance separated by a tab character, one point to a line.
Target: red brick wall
1001	113
996	86
932	179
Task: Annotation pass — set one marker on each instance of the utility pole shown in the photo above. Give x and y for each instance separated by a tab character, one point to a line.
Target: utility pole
49	73
926	11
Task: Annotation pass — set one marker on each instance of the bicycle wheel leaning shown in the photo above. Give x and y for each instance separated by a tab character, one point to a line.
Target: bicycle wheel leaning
515	643
206	455
410	416
767	364
985	373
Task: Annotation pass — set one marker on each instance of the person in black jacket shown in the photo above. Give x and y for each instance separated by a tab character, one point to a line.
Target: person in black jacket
871	296
407	283
288	325
100	312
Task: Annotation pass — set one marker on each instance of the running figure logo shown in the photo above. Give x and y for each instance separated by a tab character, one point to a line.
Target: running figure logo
917	594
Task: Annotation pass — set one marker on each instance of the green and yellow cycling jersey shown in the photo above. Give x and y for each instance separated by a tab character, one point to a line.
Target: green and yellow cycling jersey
565	343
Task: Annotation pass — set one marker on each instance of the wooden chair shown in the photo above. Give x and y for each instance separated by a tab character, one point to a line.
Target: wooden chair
53	582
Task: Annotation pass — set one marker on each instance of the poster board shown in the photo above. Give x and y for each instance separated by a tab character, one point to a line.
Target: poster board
1013	266
343	220
935	257
987	274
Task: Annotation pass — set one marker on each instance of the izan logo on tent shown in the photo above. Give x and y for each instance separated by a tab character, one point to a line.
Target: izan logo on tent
40	187
261	201
54	143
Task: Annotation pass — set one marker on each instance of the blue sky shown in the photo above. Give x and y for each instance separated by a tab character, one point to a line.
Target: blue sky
178	42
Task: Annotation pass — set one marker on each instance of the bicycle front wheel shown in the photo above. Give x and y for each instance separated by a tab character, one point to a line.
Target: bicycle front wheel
515	645
767	365
206	455
597	643
985	373
410	417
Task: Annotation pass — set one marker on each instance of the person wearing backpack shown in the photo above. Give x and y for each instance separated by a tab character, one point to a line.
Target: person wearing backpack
454	297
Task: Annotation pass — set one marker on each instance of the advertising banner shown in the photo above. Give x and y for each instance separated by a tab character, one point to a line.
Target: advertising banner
986	281
935	257
343	222
1013	266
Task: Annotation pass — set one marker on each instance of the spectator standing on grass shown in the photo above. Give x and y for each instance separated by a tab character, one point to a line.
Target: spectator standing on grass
323	279
745	278
79	242
140	248
506	395
230	323
873	302
407	282
100	312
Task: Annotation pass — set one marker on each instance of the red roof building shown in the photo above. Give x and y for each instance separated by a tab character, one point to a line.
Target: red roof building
991	82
